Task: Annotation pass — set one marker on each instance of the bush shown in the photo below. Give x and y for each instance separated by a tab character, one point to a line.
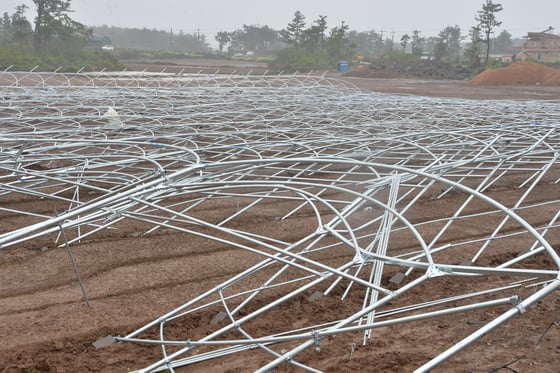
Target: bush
298	59
21	57
555	65
18	57
497	63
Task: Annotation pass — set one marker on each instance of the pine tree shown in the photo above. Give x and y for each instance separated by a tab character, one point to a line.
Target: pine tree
293	33
52	21
487	22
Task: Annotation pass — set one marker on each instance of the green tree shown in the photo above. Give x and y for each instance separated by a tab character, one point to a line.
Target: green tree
305	52
430	45
473	50
339	45
368	43
293	33
52	22
417	43
5	27
299	59
257	39
388	46
20	25
487	22
448	44
223	38
315	36
6	22
503	42
404	41
260	40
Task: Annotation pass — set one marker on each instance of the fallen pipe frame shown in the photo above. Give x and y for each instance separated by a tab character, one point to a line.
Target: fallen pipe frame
288	139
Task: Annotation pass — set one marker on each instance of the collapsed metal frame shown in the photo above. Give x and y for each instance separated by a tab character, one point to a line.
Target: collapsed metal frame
362	169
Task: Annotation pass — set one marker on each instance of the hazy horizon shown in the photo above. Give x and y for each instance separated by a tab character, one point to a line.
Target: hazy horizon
393	18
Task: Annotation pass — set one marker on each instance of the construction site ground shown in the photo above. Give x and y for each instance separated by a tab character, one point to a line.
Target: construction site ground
45	326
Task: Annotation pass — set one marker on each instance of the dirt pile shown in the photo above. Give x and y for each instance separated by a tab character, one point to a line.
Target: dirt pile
437	70
424	69
519	73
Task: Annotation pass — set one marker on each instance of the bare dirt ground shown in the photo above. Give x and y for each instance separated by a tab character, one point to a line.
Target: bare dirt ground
456	89
46	327
384	82
199	65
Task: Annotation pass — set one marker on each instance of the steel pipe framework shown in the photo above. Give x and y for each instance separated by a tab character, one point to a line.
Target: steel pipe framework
410	187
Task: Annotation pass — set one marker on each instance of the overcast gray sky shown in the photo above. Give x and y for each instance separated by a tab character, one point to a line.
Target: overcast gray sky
398	16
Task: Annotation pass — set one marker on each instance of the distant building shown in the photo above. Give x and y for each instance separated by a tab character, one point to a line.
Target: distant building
540	46
507	58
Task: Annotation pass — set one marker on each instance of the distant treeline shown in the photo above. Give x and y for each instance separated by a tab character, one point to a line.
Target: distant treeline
145	39
54	41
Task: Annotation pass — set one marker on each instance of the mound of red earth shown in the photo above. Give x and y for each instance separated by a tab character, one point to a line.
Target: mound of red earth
519	73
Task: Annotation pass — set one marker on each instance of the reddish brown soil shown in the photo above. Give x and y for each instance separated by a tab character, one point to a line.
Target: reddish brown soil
519	73
455	89
46	327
